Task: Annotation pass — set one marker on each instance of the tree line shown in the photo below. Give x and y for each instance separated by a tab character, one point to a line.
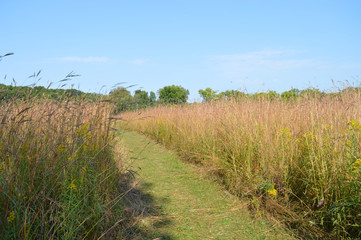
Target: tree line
9	92
209	94
124	101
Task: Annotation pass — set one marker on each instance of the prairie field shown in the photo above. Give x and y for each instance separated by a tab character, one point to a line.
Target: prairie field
298	160
58	174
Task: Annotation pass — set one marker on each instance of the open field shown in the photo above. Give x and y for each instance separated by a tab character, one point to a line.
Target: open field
299	160
182	119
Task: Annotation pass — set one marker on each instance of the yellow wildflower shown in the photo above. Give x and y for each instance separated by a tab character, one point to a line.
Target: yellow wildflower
61	148
309	136
11	217
354	125
356	165
286	132
161	121
72	185
272	192
83	130
260	127
326	127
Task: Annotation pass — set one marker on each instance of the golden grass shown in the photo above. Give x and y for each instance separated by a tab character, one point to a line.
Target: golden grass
58	177
302	155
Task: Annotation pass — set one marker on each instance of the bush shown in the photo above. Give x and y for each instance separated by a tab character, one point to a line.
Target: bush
173	94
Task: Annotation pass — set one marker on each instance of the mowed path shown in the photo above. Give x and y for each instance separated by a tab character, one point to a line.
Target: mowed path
185	205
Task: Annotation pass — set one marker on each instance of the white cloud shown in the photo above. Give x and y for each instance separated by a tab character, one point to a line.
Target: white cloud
83	59
139	61
267	62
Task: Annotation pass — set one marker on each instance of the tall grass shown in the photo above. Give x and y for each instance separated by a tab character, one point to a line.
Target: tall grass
300	159
58	175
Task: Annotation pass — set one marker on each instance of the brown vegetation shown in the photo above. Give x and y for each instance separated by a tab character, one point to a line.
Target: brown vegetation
301	159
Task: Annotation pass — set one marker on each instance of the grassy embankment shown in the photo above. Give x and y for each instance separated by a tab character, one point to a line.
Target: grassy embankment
300	160
58	176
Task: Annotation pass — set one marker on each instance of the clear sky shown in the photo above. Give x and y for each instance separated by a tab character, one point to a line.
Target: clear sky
223	44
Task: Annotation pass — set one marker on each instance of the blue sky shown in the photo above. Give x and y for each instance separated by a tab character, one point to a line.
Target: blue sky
225	44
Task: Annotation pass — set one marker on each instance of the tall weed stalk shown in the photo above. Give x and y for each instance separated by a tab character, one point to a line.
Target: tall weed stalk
58	176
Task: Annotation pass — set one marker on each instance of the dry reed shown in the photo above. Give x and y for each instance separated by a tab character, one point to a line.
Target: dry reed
303	156
58	177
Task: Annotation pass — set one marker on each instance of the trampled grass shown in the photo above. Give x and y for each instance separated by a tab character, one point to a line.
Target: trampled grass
298	159
58	175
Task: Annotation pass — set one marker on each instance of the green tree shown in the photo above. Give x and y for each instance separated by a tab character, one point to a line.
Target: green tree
173	94
208	94
272	95
141	99
312	93
122	99
291	94
152	97
232	94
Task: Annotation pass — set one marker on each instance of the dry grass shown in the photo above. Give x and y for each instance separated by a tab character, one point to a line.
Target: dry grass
58	177
301	159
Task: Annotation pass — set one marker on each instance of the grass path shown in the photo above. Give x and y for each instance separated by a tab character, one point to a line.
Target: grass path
180	204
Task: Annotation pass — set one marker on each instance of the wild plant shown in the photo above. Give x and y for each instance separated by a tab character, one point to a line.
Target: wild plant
301	157
58	176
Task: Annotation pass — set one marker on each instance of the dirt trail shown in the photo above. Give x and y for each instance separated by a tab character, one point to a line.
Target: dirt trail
175	202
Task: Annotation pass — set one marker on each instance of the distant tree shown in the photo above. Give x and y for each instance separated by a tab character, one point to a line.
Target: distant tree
173	94
272	95
312	93
152	98
141	99
122	99
8	92
260	95
208	94
232	94
291	94
73	92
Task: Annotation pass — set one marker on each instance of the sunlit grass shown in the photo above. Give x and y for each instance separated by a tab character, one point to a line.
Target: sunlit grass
299	159
58	175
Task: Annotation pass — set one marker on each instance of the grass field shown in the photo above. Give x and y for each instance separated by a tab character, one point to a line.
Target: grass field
173	201
300	160
58	174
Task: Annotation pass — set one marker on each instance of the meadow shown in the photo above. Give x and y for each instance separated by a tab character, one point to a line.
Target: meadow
59	176
298	160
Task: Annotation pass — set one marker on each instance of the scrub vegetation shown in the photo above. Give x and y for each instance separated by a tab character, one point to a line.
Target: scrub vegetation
59	176
296	154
